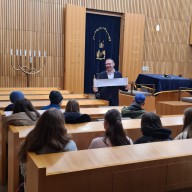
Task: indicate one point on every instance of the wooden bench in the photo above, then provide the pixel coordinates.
(29, 88)
(171, 107)
(82, 103)
(95, 113)
(3, 160)
(151, 167)
(35, 92)
(46, 97)
(82, 134)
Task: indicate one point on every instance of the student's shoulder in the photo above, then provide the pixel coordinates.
(9, 107)
(71, 146)
(45, 107)
(96, 143)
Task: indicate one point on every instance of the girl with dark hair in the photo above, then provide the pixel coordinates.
(26, 106)
(152, 129)
(187, 125)
(72, 114)
(114, 133)
(23, 114)
(48, 136)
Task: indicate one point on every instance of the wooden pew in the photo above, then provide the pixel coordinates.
(3, 161)
(35, 92)
(126, 100)
(82, 134)
(82, 102)
(95, 113)
(46, 97)
(29, 88)
(172, 107)
(151, 167)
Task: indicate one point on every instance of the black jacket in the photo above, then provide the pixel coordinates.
(9, 107)
(76, 117)
(154, 135)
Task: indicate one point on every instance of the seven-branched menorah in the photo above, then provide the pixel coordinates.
(29, 64)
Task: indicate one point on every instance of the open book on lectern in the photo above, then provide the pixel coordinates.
(110, 82)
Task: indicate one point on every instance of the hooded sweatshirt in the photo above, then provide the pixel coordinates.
(154, 135)
(133, 111)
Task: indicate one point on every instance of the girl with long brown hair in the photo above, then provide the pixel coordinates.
(114, 133)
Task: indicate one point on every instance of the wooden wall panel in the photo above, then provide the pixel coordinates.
(74, 48)
(34, 24)
(190, 38)
(131, 55)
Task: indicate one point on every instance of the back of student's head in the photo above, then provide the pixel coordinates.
(16, 96)
(187, 117)
(26, 106)
(55, 97)
(72, 106)
(114, 128)
(150, 119)
(49, 131)
(51, 124)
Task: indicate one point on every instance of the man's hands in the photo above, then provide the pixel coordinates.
(127, 87)
(95, 89)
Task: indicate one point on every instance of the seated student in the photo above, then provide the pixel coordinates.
(48, 136)
(135, 110)
(14, 97)
(152, 129)
(187, 125)
(23, 114)
(72, 114)
(56, 100)
(114, 133)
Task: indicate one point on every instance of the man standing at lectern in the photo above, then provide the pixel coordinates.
(110, 93)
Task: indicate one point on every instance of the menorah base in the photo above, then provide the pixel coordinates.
(28, 80)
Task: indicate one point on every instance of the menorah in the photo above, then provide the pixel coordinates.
(28, 64)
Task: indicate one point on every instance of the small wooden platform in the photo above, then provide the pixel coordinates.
(151, 103)
(172, 107)
(126, 100)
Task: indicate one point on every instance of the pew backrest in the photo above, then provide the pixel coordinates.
(161, 166)
(82, 134)
(82, 103)
(35, 92)
(46, 97)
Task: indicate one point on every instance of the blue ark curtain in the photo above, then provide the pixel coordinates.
(102, 42)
